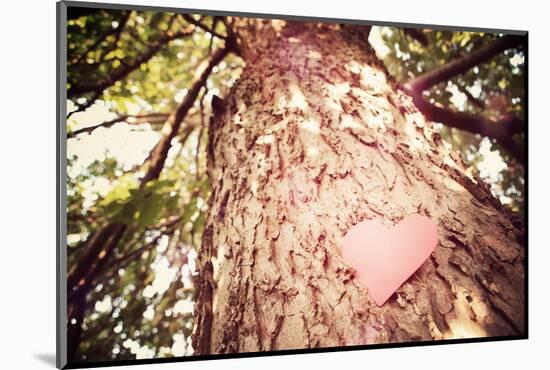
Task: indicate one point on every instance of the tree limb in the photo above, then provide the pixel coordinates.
(201, 132)
(79, 275)
(464, 63)
(101, 243)
(173, 123)
(475, 101)
(117, 31)
(167, 228)
(152, 117)
(501, 130)
(416, 35)
(99, 247)
(203, 26)
(77, 90)
(86, 105)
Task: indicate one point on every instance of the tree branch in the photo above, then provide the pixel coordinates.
(117, 31)
(464, 63)
(153, 117)
(101, 243)
(475, 101)
(201, 131)
(167, 228)
(501, 130)
(99, 247)
(203, 26)
(86, 105)
(416, 35)
(77, 90)
(173, 123)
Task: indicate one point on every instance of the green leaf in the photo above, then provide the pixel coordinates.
(190, 209)
(150, 210)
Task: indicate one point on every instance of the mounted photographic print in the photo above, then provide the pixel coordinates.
(237, 184)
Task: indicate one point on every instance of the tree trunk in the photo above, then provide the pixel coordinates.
(314, 138)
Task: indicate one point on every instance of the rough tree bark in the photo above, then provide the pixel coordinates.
(314, 138)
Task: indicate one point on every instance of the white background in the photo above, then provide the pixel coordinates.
(27, 182)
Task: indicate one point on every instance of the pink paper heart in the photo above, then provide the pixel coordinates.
(386, 257)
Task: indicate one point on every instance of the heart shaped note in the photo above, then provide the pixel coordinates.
(385, 257)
